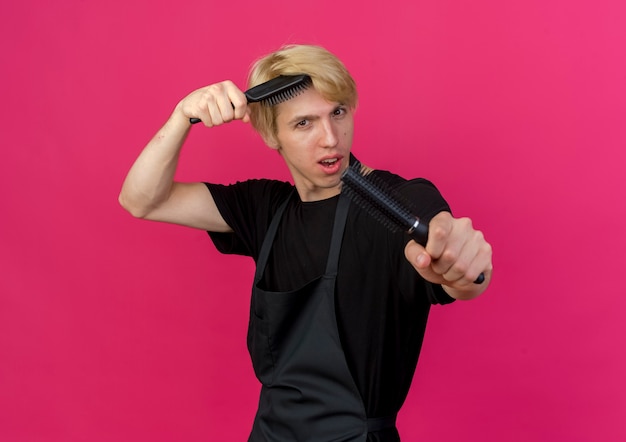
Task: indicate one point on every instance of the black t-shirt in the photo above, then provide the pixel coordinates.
(382, 302)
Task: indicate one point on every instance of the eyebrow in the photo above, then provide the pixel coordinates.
(311, 117)
(298, 118)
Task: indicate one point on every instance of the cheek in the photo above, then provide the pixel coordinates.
(348, 134)
(348, 129)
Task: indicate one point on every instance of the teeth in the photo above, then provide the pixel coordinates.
(331, 161)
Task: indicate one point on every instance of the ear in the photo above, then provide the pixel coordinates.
(271, 142)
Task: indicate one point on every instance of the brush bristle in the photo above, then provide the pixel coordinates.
(287, 94)
(377, 198)
(372, 210)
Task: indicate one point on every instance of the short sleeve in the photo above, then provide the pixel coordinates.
(248, 208)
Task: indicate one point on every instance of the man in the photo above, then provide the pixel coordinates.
(339, 303)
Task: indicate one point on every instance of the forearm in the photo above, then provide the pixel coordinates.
(150, 178)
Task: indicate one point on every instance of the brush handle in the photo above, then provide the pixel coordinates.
(419, 232)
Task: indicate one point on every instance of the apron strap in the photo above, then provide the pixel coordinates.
(267, 245)
(380, 423)
(338, 228)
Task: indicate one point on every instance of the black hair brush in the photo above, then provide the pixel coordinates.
(274, 91)
(384, 204)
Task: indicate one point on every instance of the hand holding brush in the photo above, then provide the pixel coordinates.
(385, 205)
(274, 91)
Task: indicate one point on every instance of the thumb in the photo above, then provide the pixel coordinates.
(246, 117)
(417, 255)
(421, 261)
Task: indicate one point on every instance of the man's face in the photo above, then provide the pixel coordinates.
(314, 137)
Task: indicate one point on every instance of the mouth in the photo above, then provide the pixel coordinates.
(331, 165)
(329, 162)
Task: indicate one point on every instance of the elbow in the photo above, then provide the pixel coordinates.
(136, 210)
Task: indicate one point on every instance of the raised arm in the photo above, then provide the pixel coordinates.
(149, 190)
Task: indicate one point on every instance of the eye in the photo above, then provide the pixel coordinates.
(302, 123)
(339, 111)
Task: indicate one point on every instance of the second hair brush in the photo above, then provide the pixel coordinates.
(385, 205)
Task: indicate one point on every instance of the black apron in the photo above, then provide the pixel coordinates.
(308, 393)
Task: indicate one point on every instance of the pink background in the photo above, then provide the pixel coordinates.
(113, 328)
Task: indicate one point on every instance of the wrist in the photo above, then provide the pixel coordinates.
(466, 292)
(178, 119)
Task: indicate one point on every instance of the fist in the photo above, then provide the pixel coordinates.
(216, 104)
(454, 256)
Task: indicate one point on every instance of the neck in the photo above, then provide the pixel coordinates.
(308, 195)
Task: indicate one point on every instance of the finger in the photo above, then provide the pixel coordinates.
(239, 104)
(225, 105)
(473, 259)
(201, 104)
(453, 260)
(482, 262)
(212, 109)
(214, 104)
(246, 117)
(439, 229)
(456, 243)
(455, 266)
(235, 103)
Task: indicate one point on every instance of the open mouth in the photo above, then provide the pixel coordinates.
(329, 162)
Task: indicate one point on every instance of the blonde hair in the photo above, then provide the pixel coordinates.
(329, 75)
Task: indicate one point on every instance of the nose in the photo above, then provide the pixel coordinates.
(329, 136)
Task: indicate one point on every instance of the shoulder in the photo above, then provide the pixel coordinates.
(419, 193)
(248, 208)
(252, 186)
(253, 193)
(398, 182)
